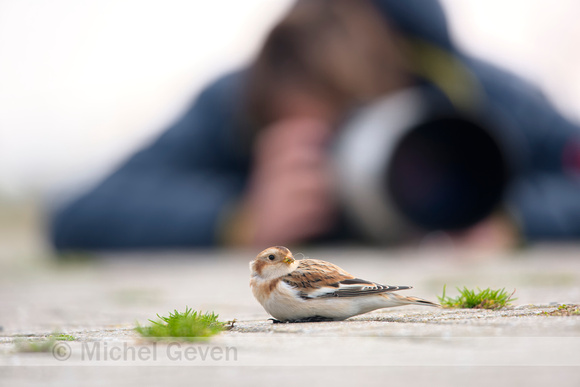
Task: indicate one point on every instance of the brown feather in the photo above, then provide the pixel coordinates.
(259, 265)
(314, 274)
(283, 250)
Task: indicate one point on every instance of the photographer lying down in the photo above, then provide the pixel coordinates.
(358, 120)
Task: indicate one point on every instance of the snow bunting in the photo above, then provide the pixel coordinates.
(312, 290)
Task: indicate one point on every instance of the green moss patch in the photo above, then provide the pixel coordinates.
(480, 299)
(184, 326)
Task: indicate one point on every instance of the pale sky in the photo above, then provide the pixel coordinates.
(83, 83)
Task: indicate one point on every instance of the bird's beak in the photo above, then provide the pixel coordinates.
(288, 260)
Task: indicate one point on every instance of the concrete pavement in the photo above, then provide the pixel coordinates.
(99, 301)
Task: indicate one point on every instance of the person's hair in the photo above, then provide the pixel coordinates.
(341, 50)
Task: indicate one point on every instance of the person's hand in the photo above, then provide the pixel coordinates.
(497, 232)
(289, 198)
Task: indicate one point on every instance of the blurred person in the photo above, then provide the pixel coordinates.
(251, 164)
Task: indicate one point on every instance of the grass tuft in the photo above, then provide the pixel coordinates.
(62, 337)
(187, 326)
(41, 344)
(44, 345)
(480, 299)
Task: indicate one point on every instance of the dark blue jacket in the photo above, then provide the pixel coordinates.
(177, 191)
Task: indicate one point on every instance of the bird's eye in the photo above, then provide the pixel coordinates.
(271, 257)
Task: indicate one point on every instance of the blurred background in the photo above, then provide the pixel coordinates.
(84, 83)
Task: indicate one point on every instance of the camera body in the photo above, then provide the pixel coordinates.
(411, 162)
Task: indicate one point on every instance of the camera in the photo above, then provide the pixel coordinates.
(412, 162)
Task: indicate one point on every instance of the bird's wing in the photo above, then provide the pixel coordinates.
(320, 279)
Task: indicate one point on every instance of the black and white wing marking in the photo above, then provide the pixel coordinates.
(320, 279)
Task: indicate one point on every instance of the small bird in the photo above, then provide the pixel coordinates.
(309, 290)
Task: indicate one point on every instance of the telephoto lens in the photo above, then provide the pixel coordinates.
(409, 163)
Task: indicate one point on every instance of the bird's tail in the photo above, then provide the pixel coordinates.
(402, 300)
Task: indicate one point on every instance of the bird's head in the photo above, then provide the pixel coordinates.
(273, 262)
